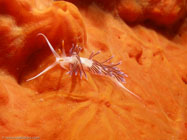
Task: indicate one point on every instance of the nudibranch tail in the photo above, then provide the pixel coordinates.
(123, 87)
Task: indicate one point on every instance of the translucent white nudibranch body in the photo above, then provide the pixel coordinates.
(74, 63)
(87, 63)
(65, 61)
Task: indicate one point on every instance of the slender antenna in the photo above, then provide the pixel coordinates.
(50, 46)
(44, 71)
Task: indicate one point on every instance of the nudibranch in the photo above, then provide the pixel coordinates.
(77, 65)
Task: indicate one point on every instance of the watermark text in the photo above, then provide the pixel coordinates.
(20, 138)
